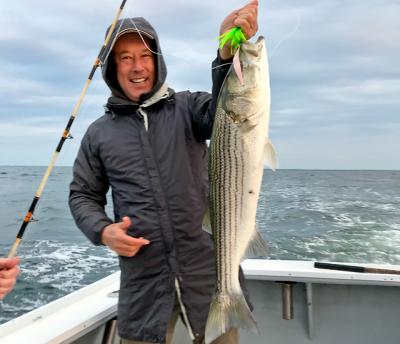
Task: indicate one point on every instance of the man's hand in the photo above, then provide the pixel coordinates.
(116, 238)
(245, 17)
(9, 271)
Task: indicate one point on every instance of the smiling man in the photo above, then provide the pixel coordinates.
(136, 70)
(150, 148)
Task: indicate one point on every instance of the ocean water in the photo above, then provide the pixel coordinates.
(343, 216)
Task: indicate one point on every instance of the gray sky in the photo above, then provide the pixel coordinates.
(334, 65)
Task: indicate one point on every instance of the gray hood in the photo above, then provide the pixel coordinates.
(123, 26)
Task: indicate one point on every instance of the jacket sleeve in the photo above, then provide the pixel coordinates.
(88, 190)
(202, 105)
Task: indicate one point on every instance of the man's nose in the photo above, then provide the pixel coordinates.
(137, 65)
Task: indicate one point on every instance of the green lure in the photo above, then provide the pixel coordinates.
(235, 36)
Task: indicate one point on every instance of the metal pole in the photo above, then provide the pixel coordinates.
(110, 331)
(287, 300)
(310, 316)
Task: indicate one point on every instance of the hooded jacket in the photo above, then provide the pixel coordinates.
(153, 154)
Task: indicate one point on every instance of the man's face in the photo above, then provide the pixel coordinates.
(136, 70)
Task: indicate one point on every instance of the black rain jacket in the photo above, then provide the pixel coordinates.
(158, 178)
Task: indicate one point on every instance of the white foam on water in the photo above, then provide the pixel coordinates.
(386, 207)
(395, 226)
(343, 220)
(51, 269)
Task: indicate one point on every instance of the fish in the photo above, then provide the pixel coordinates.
(238, 150)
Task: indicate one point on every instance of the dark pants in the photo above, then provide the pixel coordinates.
(230, 337)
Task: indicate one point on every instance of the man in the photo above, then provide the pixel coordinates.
(150, 148)
(9, 271)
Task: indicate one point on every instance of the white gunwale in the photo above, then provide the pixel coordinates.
(76, 314)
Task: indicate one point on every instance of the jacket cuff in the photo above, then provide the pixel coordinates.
(220, 61)
(97, 230)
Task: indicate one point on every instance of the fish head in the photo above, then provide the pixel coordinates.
(245, 103)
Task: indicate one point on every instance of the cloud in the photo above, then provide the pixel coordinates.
(333, 69)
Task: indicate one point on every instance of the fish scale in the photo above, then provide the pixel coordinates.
(230, 174)
(238, 147)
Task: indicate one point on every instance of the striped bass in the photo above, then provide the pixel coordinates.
(239, 147)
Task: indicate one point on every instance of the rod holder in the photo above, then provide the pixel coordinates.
(110, 331)
(287, 300)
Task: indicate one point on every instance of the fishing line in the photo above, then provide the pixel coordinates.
(141, 37)
(273, 51)
(113, 42)
(287, 36)
(221, 65)
(127, 10)
(137, 31)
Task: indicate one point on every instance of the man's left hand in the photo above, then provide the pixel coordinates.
(245, 17)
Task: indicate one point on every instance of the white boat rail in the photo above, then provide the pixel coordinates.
(80, 317)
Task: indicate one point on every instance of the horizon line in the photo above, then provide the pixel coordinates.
(265, 168)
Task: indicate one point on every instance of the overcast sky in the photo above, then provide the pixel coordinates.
(334, 66)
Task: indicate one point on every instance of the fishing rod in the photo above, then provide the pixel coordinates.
(65, 135)
(355, 268)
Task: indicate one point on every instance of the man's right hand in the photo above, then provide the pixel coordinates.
(116, 238)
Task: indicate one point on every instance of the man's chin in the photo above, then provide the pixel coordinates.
(136, 97)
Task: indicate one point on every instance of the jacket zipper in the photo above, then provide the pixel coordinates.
(177, 286)
(145, 118)
(183, 309)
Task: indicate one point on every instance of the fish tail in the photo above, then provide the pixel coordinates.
(226, 312)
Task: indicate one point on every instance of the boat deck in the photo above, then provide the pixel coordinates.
(324, 307)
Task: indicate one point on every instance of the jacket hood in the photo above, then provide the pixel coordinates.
(142, 27)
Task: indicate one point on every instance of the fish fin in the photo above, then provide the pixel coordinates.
(238, 67)
(226, 312)
(207, 221)
(270, 155)
(257, 248)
